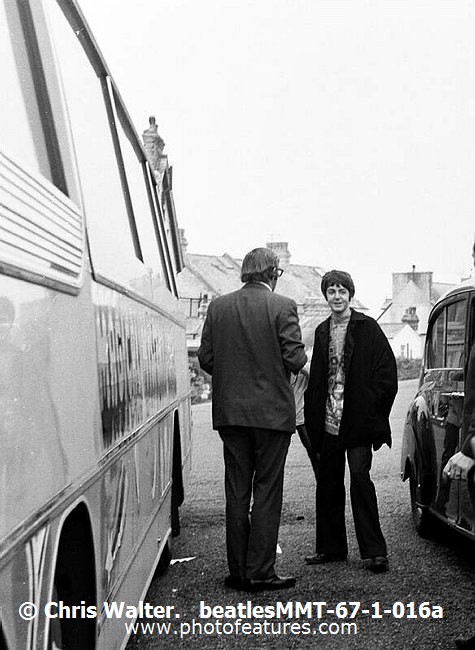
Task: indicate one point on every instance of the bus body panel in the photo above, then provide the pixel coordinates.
(125, 481)
(49, 397)
(94, 387)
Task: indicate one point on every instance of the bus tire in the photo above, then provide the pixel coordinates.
(177, 482)
(3, 643)
(164, 561)
(74, 581)
(175, 515)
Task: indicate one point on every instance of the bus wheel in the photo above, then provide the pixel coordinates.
(177, 482)
(74, 584)
(55, 636)
(176, 528)
(3, 643)
(420, 515)
(164, 561)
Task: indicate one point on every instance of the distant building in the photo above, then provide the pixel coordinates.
(405, 342)
(405, 315)
(206, 276)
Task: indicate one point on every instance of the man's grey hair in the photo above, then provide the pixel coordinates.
(259, 265)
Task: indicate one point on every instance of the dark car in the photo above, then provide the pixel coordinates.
(440, 414)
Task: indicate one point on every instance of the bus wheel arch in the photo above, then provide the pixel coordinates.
(178, 493)
(3, 641)
(74, 582)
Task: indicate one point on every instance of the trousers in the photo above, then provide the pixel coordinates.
(254, 461)
(331, 497)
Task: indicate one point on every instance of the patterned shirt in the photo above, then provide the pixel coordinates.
(336, 375)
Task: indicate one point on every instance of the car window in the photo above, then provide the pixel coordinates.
(456, 317)
(446, 337)
(435, 344)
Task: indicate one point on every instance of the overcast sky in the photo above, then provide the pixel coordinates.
(346, 128)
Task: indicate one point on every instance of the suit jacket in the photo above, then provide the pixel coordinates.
(251, 342)
(370, 385)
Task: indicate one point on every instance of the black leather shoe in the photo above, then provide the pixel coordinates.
(234, 582)
(271, 584)
(379, 564)
(468, 644)
(323, 558)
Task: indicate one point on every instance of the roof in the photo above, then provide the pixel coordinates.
(207, 276)
(439, 289)
(466, 285)
(392, 329)
(412, 290)
(210, 274)
(219, 274)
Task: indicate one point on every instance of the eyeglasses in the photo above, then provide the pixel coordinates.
(279, 272)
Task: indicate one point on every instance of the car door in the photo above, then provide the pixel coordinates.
(446, 352)
(466, 518)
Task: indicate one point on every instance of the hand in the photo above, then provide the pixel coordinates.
(459, 466)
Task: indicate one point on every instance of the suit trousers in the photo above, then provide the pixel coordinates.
(331, 497)
(254, 462)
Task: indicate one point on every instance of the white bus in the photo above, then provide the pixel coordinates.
(94, 390)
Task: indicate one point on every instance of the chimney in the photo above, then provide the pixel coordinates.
(421, 292)
(281, 249)
(154, 146)
(411, 318)
(183, 241)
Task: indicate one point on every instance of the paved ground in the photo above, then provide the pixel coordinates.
(437, 571)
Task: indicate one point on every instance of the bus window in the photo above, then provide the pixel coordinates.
(170, 216)
(111, 243)
(42, 231)
(21, 132)
(142, 210)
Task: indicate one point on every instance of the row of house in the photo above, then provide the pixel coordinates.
(403, 317)
(206, 276)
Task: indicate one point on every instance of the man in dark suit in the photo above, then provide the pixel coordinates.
(461, 465)
(351, 389)
(250, 344)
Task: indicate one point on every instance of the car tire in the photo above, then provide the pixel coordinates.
(422, 518)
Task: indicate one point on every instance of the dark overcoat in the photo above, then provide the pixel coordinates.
(468, 430)
(251, 342)
(370, 385)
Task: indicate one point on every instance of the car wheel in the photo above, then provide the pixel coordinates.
(421, 516)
